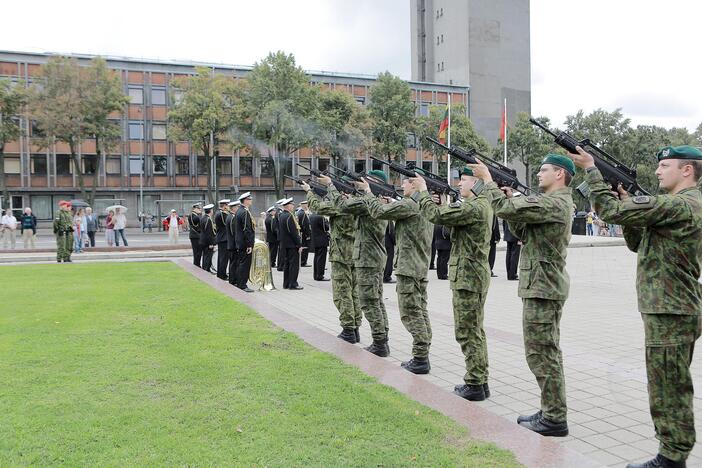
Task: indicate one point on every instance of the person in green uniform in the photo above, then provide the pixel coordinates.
(665, 231)
(343, 274)
(369, 262)
(470, 222)
(543, 223)
(413, 235)
(63, 228)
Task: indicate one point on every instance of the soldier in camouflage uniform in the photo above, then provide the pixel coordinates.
(665, 231)
(411, 264)
(369, 262)
(343, 274)
(543, 223)
(63, 228)
(470, 222)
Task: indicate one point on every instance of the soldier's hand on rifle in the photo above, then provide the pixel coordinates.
(621, 193)
(324, 180)
(509, 193)
(480, 170)
(363, 186)
(305, 186)
(436, 198)
(419, 184)
(582, 159)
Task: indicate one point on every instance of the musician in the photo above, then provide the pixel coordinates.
(319, 226)
(272, 234)
(442, 243)
(194, 233)
(275, 225)
(303, 220)
(231, 242)
(291, 241)
(208, 236)
(222, 253)
(245, 239)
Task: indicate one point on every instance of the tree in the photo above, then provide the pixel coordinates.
(283, 111)
(698, 135)
(12, 99)
(462, 133)
(528, 145)
(210, 107)
(392, 114)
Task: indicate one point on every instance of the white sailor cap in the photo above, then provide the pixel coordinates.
(244, 196)
(208, 207)
(270, 209)
(223, 201)
(197, 205)
(303, 202)
(287, 201)
(235, 203)
(280, 202)
(173, 211)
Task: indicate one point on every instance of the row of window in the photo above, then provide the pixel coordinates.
(440, 66)
(440, 37)
(158, 96)
(136, 131)
(439, 13)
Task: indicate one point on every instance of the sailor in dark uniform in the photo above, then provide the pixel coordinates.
(272, 235)
(194, 233)
(245, 239)
(220, 220)
(319, 225)
(303, 219)
(231, 242)
(442, 242)
(291, 242)
(208, 236)
(390, 249)
(276, 228)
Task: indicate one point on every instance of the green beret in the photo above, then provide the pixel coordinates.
(561, 161)
(467, 171)
(379, 174)
(679, 152)
(418, 170)
(347, 179)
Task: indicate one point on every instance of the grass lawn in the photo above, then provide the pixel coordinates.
(141, 364)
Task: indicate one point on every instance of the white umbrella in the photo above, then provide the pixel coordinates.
(115, 207)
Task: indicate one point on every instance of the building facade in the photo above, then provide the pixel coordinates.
(146, 170)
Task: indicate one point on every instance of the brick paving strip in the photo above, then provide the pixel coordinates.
(530, 449)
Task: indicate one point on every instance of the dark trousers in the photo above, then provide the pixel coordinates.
(491, 255)
(442, 264)
(242, 274)
(304, 254)
(320, 260)
(273, 251)
(292, 267)
(512, 259)
(387, 274)
(233, 267)
(91, 236)
(197, 252)
(207, 253)
(281, 257)
(222, 260)
(433, 256)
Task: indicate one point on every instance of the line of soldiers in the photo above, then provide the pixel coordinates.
(664, 230)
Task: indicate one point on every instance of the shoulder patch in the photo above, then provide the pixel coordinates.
(532, 199)
(478, 187)
(455, 204)
(641, 200)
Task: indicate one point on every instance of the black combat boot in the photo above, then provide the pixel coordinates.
(659, 462)
(470, 392)
(358, 335)
(544, 426)
(347, 334)
(417, 365)
(524, 418)
(486, 389)
(379, 348)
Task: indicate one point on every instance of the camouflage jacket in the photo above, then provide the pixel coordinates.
(343, 227)
(369, 233)
(63, 222)
(666, 233)
(470, 221)
(413, 234)
(543, 223)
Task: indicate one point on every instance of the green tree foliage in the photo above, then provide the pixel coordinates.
(345, 125)
(12, 100)
(211, 105)
(392, 113)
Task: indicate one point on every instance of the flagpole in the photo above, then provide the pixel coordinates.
(448, 141)
(505, 142)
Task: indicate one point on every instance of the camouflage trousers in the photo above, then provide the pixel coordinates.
(345, 294)
(468, 313)
(670, 343)
(370, 298)
(412, 301)
(64, 246)
(541, 327)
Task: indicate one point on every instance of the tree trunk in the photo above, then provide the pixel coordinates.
(206, 150)
(78, 169)
(3, 185)
(91, 196)
(278, 173)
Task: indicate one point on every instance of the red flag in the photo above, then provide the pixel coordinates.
(443, 128)
(503, 125)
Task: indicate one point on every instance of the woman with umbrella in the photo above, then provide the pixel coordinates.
(120, 222)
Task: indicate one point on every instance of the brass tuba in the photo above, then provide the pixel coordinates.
(260, 275)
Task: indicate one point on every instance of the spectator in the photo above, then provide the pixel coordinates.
(8, 225)
(588, 223)
(78, 232)
(110, 228)
(149, 222)
(28, 227)
(173, 224)
(91, 225)
(120, 221)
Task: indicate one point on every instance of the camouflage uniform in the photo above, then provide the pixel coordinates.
(543, 223)
(665, 231)
(343, 274)
(470, 221)
(368, 259)
(63, 228)
(412, 250)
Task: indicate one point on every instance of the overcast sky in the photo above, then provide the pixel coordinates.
(641, 55)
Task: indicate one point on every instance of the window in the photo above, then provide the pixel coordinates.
(267, 167)
(63, 164)
(136, 165)
(201, 165)
(224, 165)
(424, 109)
(158, 97)
(182, 165)
(36, 130)
(136, 95)
(427, 166)
(442, 38)
(359, 165)
(411, 140)
(41, 206)
(438, 67)
(303, 171)
(442, 66)
(245, 166)
(113, 166)
(441, 12)
(39, 164)
(89, 164)
(177, 97)
(12, 165)
(437, 40)
(158, 132)
(377, 166)
(159, 164)
(323, 164)
(136, 130)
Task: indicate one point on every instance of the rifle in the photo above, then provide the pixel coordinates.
(316, 187)
(613, 171)
(340, 185)
(433, 185)
(502, 175)
(377, 186)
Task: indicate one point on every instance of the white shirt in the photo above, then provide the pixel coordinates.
(174, 222)
(120, 221)
(9, 221)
